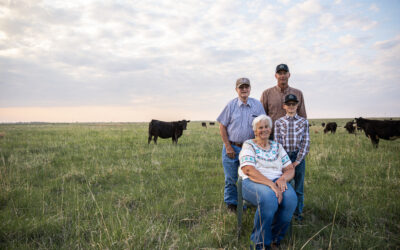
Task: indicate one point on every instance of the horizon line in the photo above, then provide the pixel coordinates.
(99, 122)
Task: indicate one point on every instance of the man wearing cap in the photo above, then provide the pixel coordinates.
(272, 99)
(235, 128)
(292, 132)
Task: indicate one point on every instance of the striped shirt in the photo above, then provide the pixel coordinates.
(237, 117)
(293, 134)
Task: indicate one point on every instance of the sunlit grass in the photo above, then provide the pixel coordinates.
(102, 186)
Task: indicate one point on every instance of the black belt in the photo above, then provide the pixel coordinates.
(238, 144)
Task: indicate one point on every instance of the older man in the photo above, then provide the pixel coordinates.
(273, 98)
(235, 128)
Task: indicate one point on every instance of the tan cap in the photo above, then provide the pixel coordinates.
(242, 81)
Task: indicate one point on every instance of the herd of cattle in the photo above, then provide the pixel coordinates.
(373, 129)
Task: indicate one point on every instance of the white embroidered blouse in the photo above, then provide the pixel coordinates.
(268, 162)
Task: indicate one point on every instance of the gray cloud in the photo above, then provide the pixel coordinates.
(388, 44)
(171, 54)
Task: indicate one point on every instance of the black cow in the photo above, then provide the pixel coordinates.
(330, 126)
(350, 127)
(375, 129)
(323, 124)
(212, 123)
(166, 130)
(204, 124)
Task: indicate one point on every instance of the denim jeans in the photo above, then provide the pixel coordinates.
(298, 182)
(231, 175)
(271, 219)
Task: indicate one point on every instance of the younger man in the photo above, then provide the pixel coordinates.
(292, 132)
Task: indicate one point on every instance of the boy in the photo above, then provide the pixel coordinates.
(292, 132)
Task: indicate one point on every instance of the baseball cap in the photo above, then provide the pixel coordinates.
(291, 98)
(282, 67)
(242, 81)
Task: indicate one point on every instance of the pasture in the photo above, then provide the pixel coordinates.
(100, 186)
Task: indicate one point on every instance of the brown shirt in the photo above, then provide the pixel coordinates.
(272, 99)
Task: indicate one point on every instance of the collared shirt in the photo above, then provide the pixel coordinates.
(293, 134)
(273, 98)
(237, 117)
(268, 162)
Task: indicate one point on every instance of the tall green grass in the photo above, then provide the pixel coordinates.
(99, 186)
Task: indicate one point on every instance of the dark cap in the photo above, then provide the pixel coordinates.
(291, 98)
(282, 67)
(242, 81)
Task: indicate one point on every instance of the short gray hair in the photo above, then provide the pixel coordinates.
(261, 118)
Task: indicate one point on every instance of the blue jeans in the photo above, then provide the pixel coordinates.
(231, 175)
(298, 182)
(271, 219)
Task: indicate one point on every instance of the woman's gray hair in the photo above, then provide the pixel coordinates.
(261, 118)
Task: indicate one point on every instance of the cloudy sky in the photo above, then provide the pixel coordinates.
(68, 61)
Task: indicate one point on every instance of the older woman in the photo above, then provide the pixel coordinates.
(266, 170)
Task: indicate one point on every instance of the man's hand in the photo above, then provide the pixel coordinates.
(228, 148)
(230, 151)
(295, 164)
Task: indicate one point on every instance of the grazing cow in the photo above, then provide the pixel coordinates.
(323, 124)
(166, 130)
(350, 127)
(375, 129)
(2, 134)
(330, 126)
(212, 123)
(204, 124)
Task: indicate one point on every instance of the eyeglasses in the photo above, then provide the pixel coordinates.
(291, 104)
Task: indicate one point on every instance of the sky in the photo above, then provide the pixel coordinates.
(133, 61)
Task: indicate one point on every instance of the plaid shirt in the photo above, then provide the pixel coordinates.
(293, 134)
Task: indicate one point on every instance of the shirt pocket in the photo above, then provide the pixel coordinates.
(251, 119)
(283, 133)
(283, 128)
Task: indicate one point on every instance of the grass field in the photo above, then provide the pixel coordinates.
(100, 186)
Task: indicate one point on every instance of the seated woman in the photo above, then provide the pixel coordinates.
(266, 170)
